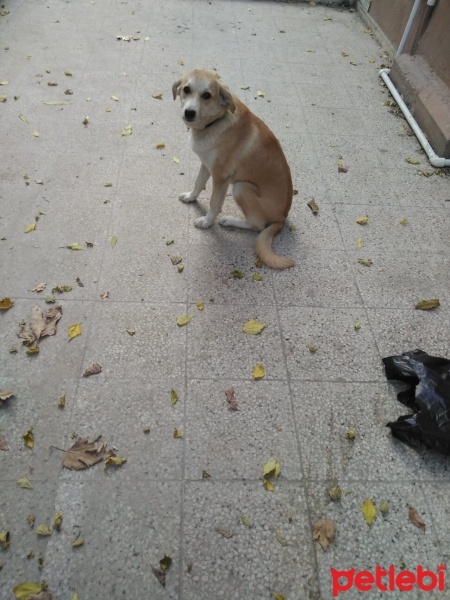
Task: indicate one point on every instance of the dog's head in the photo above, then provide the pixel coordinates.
(203, 98)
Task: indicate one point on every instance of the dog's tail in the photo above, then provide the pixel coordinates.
(264, 248)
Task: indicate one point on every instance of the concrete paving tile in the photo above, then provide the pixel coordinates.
(383, 232)
(312, 232)
(333, 284)
(143, 271)
(236, 444)
(438, 500)
(398, 331)
(392, 280)
(251, 564)
(159, 343)
(433, 224)
(217, 347)
(210, 275)
(53, 264)
(84, 174)
(17, 505)
(390, 540)
(127, 526)
(343, 353)
(141, 402)
(150, 219)
(326, 412)
(333, 120)
(159, 177)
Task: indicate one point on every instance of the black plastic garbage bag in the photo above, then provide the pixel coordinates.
(428, 395)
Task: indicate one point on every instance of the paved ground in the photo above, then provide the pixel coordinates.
(324, 107)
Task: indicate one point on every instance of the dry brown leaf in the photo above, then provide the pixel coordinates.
(94, 370)
(280, 538)
(428, 304)
(160, 575)
(3, 444)
(231, 398)
(6, 303)
(83, 454)
(43, 323)
(39, 287)
(313, 206)
(324, 531)
(225, 532)
(5, 395)
(415, 518)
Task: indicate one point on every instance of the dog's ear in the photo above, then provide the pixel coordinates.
(176, 89)
(226, 99)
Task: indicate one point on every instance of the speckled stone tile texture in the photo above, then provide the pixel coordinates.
(192, 487)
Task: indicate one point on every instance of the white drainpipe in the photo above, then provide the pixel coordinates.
(405, 35)
(435, 160)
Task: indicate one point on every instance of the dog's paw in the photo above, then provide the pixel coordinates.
(202, 223)
(187, 197)
(227, 222)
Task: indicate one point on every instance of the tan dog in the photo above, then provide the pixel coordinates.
(236, 147)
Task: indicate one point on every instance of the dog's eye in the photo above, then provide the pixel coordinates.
(187, 89)
(206, 96)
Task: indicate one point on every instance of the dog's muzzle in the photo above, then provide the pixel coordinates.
(189, 115)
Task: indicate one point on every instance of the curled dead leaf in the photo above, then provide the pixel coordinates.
(415, 518)
(324, 531)
(224, 532)
(83, 454)
(6, 303)
(94, 370)
(231, 399)
(4, 539)
(6, 395)
(428, 304)
(44, 530)
(313, 206)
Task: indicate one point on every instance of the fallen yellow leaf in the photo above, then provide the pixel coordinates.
(173, 396)
(74, 246)
(6, 303)
(183, 320)
(157, 96)
(57, 520)
(113, 241)
(24, 591)
(362, 220)
(258, 371)
(43, 530)
(253, 327)
(25, 483)
(369, 511)
(4, 539)
(74, 331)
(128, 130)
(29, 228)
(28, 438)
(428, 304)
(177, 433)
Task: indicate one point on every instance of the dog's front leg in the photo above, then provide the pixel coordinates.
(199, 186)
(215, 205)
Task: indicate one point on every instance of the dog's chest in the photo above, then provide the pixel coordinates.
(208, 157)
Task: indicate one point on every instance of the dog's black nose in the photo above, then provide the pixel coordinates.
(189, 115)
